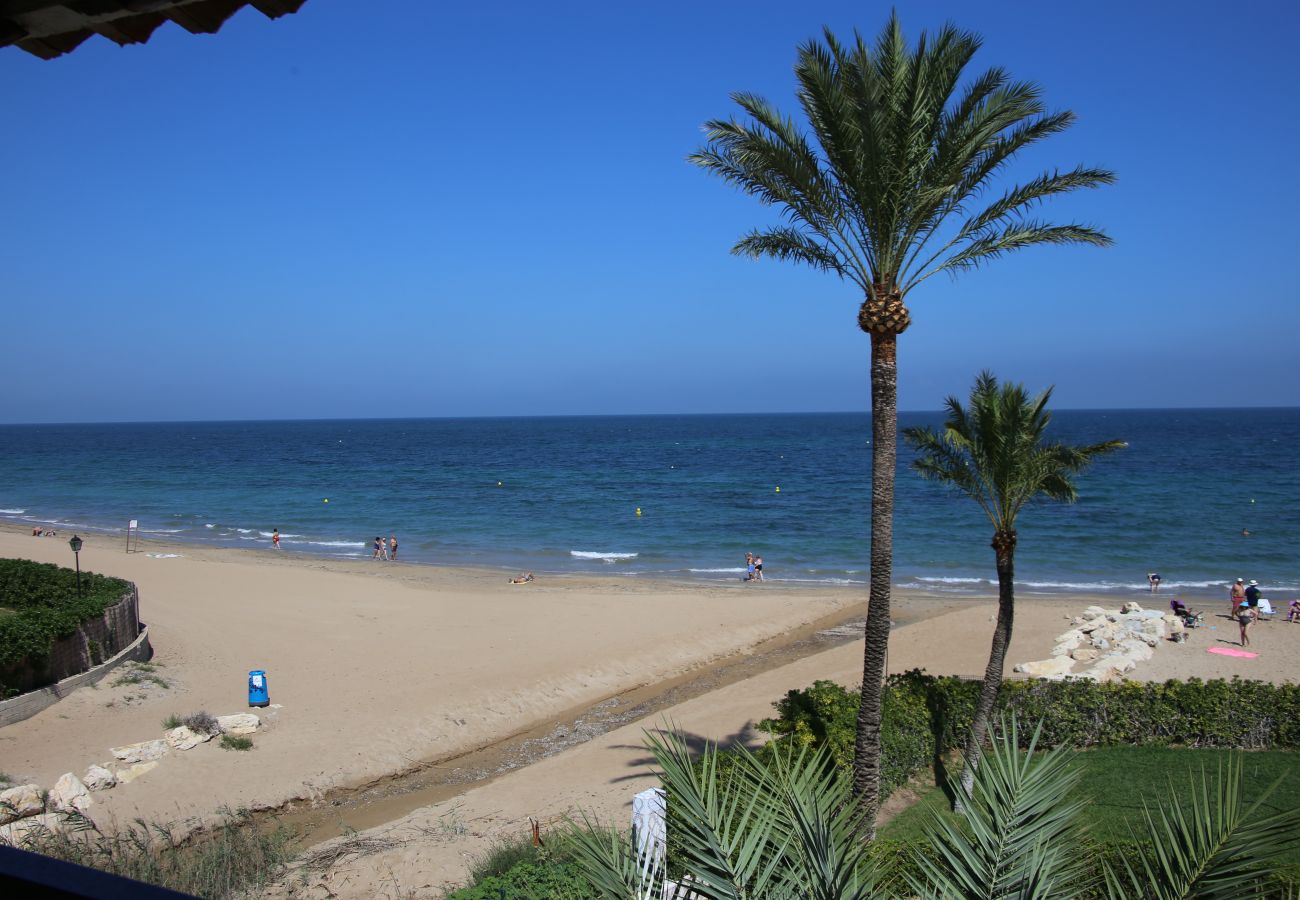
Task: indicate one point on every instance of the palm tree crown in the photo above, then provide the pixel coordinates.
(994, 451)
(897, 153)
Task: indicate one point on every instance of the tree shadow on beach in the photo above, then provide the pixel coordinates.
(748, 737)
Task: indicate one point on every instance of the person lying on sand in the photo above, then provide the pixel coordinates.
(522, 579)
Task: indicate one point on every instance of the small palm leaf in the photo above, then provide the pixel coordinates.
(1021, 835)
(1209, 844)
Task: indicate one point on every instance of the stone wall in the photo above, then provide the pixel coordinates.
(94, 641)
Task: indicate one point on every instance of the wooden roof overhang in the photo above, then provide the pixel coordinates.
(48, 29)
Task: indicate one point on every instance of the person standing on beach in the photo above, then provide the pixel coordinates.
(275, 538)
(1153, 578)
(1252, 595)
(749, 567)
(380, 552)
(392, 548)
(1245, 618)
(758, 567)
(1237, 595)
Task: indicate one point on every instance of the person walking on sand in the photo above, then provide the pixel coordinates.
(1153, 578)
(380, 552)
(392, 548)
(1237, 595)
(275, 538)
(1245, 618)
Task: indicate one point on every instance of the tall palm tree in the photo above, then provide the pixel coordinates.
(892, 187)
(994, 452)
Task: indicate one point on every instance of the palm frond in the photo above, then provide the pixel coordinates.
(1021, 835)
(1208, 843)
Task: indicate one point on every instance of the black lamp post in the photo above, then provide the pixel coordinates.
(75, 544)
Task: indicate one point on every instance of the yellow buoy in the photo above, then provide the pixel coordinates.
(778, 488)
(326, 500)
(638, 510)
(498, 484)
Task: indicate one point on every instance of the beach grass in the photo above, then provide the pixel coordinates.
(233, 742)
(1117, 781)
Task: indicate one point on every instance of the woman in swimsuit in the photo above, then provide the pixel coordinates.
(1237, 595)
(392, 547)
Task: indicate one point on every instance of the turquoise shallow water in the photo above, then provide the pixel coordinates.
(1175, 501)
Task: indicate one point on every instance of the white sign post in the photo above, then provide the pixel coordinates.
(131, 526)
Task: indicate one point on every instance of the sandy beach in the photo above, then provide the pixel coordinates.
(381, 668)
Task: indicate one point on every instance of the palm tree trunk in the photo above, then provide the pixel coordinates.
(1004, 547)
(884, 452)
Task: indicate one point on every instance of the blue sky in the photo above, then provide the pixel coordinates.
(428, 211)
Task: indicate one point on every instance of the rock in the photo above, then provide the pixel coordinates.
(70, 795)
(1177, 626)
(1101, 643)
(1084, 654)
(20, 802)
(239, 723)
(126, 776)
(183, 738)
(141, 752)
(1130, 607)
(1093, 612)
(99, 778)
(1056, 667)
(15, 833)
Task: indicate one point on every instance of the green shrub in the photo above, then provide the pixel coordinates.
(234, 742)
(46, 607)
(534, 880)
(925, 717)
(172, 721)
(501, 857)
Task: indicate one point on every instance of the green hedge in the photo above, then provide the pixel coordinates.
(45, 606)
(925, 716)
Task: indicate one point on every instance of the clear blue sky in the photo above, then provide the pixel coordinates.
(421, 209)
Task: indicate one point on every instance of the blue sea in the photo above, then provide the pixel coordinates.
(562, 495)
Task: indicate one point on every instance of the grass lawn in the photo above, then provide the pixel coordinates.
(1118, 780)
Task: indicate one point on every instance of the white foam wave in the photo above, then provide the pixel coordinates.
(952, 580)
(12, 512)
(161, 530)
(209, 526)
(732, 571)
(329, 543)
(245, 530)
(606, 557)
(164, 555)
(840, 581)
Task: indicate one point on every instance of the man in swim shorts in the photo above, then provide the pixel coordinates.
(1153, 578)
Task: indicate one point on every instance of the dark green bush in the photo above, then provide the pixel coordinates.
(46, 606)
(925, 716)
(532, 880)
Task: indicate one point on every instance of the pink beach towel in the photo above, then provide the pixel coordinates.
(1232, 651)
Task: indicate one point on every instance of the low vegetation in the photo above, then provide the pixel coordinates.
(141, 673)
(46, 606)
(235, 742)
(520, 869)
(233, 860)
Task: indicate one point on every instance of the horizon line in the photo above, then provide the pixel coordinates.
(865, 412)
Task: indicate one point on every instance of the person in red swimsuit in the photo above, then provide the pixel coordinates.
(275, 537)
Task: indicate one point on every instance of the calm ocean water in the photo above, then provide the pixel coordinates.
(561, 494)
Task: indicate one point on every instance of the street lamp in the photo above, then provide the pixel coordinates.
(75, 543)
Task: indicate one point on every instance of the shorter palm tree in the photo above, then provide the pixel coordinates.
(995, 453)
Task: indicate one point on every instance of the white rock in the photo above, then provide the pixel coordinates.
(1093, 612)
(99, 778)
(239, 723)
(1047, 668)
(126, 776)
(1084, 654)
(20, 802)
(183, 738)
(141, 752)
(1101, 643)
(1130, 607)
(15, 833)
(1177, 626)
(70, 795)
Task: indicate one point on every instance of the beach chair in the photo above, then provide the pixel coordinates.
(1265, 611)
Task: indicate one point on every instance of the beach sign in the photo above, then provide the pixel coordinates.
(132, 527)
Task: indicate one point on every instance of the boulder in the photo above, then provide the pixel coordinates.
(1177, 626)
(1130, 607)
(141, 752)
(126, 776)
(99, 778)
(1101, 643)
(1056, 667)
(1093, 612)
(183, 738)
(70, 795)
(1084, 654)
(15, 833)
(239, 723)
(20, 802)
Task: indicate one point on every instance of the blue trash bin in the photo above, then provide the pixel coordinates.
(259, 694)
